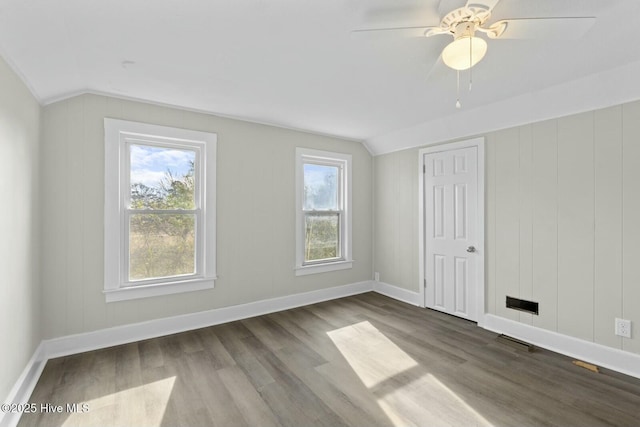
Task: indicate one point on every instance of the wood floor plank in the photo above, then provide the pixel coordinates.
(211, 343)
(346, 408)
(365, 360)
(253, 408)
(216, 399)
(308, 333)
(255, 372)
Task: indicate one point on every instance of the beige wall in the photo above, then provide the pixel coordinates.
(562, 222)
(19, 255)
(396, 218)
(256, 214)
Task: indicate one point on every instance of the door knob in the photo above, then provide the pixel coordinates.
(471, 249)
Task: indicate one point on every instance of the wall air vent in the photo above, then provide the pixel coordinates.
(522, 305)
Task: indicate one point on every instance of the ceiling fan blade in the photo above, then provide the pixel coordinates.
(541, 28)
(399, 31)
(446, 6)
(490, 4)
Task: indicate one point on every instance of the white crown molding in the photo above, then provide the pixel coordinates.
(605, 89)
(607, 357)
(87, 91)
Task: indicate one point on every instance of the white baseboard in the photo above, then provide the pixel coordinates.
(73, 344)
(607, 357)
(22, 389)
(621, 361)
(395, 292)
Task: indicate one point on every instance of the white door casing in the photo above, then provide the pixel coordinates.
(452, 232)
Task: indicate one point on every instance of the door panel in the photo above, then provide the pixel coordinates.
(460, 211)
(451, 187)
(438, 212)
(439, 280)
(460, 284)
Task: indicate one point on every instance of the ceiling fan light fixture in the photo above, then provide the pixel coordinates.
(464, 52)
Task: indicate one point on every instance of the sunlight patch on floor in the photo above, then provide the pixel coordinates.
(144, 405)
(406, 392)
(372, 355)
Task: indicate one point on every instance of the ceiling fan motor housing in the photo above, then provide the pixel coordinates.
(466, 50)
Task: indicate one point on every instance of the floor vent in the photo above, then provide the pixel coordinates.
(522, 305)
(515, 343)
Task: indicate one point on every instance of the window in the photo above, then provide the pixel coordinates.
(159, 210)
(323, 217)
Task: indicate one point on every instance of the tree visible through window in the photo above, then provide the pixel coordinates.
(322, 212)
(323, 218)
(160, 210)
(162, 219)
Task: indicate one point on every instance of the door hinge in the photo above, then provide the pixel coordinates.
(424, 169)
(425, 283)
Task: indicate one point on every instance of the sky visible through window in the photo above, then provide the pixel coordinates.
(320, 187)
(149, 164)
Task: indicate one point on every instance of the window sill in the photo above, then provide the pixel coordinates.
(158, 289)
(323, 268)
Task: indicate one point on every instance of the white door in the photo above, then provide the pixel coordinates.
(451, 231)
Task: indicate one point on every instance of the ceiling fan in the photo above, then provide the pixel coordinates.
(467, 49)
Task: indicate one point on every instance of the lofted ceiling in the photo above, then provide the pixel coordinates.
(295, 63)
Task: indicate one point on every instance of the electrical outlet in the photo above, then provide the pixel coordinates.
(376, 276)
(623, 328)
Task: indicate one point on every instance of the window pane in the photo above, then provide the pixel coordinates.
(320, 187)
(321, 237)
(161, 177)
(161, 245)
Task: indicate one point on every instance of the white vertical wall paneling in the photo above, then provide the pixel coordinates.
(255, 241)
(562, 228)
(95, 311)
(631, 222)
(507, 220)
(415, 282)
(282, 177)
(490, 220)
(526, 218)
(55, 223)
(545, 223)
(575, 225)
(114, 111)
(396, 207)
(73, 182)
(407, 236)
(396, 224)
(608, 224)
(384, 218)
(20, 239)
(255, 200)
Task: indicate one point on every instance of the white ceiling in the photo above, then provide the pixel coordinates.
(294, 63)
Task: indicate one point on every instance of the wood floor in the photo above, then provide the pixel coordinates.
(365, 360)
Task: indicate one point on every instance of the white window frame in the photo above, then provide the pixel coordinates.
(343, 162)
(118, 135)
